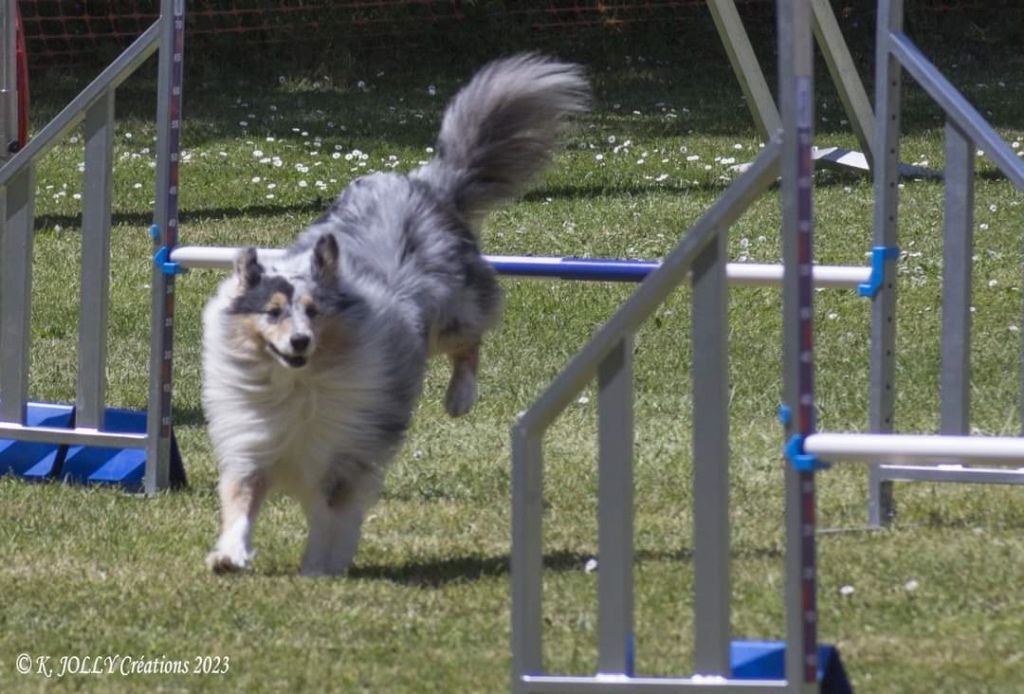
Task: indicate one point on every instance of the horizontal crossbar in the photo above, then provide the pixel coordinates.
(72, 437)
(950, 473)
(916, 449)
(592, 269)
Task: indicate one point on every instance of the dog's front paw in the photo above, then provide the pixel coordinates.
(221, 561)
(461, 395)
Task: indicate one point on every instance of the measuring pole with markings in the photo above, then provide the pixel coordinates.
(165, 237)
(796, 89)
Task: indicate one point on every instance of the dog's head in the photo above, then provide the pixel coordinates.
(282, 312)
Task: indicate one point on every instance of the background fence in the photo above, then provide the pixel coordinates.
(76, 31)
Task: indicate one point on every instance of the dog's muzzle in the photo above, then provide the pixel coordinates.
(299, 343)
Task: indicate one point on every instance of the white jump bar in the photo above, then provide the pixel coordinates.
(766, 275)
(750, 274)
(221, 257)
(919, 449)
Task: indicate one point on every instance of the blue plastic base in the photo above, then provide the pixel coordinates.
(124, 467)
(36, 461)
(753, 660)
(121, 466)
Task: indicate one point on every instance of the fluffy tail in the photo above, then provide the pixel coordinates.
(498, 132)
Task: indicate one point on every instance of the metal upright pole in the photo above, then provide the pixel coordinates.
(710, 368)
(886, 229)
(8, 78)
(797, 98)
(615, 511)
(17, 214)
(165, 233)
(92, 323)
(527, 560)
(958, 248)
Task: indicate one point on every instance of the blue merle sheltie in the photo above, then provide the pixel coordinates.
(313, 363)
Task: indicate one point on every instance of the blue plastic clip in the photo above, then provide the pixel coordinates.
(879, 254)
(785, 415)
(168, 267)
(154, 232)
(802, 462)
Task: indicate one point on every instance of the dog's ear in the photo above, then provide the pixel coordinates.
(247, 268)
(325, 258)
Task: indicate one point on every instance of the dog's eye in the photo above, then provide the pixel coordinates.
(274, 313)
(312, 312)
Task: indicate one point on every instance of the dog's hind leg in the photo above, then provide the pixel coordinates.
(462, 387)
(334, 535)
(240, 496)
(335, 518)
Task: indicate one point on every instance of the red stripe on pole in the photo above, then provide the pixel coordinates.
(21, 58)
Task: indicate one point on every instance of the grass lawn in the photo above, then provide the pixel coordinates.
(932, 604)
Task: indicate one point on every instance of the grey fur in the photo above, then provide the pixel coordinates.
(499, 131)
(417, 234)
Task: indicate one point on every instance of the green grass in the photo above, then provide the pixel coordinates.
(95, 572)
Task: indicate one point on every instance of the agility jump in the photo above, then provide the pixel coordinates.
(700, 256)
(799, 664)
(75, 441)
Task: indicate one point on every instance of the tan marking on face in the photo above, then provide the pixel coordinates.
(245, 333)
(276, 330)
(305, 301)
(278, 333)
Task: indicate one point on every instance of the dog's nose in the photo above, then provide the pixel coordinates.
(300, 342)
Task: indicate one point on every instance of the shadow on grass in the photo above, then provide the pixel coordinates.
(441, 572)
(189, 417)
(313, 208)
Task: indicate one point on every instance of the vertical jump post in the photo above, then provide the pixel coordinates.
(883, 310)
(8, 79)
(11, 64)
(165, 237)
(796, 80)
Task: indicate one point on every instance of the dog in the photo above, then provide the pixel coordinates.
(313, 364)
